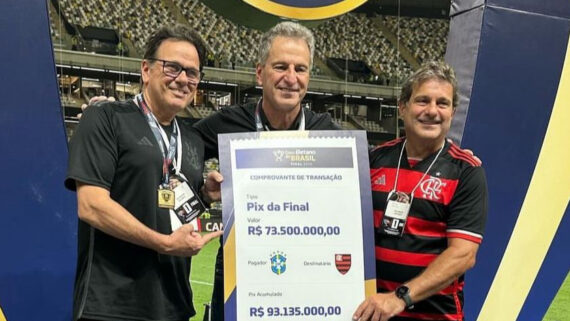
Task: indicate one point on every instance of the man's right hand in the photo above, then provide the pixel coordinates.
(379, 307)
(185, 241)
(92, 101)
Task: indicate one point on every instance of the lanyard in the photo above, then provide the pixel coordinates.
(174, 145)
(259, 125)
(423, 176)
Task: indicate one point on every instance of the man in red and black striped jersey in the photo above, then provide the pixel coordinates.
(430, 207)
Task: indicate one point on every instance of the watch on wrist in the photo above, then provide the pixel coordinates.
(403, 292)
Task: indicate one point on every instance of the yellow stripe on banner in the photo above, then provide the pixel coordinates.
(229, 265)
(541, 213)
(370, 287)
(305, 13)
(2, 317)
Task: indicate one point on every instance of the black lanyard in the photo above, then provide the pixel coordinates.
(259, 125)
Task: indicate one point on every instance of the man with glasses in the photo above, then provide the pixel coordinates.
(285, 58)
(127, 161)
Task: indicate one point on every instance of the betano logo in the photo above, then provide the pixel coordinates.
(306, 9)
(299, 156)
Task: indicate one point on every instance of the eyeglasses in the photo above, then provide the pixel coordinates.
(173, 69)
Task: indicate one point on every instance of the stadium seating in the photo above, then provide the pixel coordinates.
(228, 41)
(135, 20)
(425, 38)
(353, 36)
(205, 111)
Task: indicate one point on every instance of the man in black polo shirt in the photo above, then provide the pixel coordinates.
(127, 161)
(285, 58)
(430, 208)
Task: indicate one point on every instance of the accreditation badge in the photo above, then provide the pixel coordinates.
(165, 198)
(396, 213)
(187, 204)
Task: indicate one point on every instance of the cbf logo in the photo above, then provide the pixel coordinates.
(432, 188)
(278, 262)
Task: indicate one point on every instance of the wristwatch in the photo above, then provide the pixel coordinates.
(403, 292)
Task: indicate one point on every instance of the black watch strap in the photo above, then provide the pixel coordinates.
(403, 292)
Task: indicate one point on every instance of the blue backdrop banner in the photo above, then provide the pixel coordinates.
(38, 220)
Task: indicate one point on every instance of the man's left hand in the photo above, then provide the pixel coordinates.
(211, 192)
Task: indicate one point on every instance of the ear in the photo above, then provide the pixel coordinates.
(258, 71)
(145, 71)
(401, 109)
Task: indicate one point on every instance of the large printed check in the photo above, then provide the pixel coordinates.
(298, 226)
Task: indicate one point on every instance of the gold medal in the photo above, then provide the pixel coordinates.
(165, 198)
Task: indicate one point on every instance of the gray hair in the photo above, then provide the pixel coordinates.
(285, 29)
(428, 71)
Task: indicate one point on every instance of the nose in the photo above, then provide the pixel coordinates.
(290, 75)
(431, 108)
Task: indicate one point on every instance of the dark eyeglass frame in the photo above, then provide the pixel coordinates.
(190, 72)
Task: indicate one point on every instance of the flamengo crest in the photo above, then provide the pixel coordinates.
(431, 188)
(342, 262)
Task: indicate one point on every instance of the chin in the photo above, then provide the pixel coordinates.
(178, 106)
(287, 105)
(431, 138)
(427, 135)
